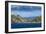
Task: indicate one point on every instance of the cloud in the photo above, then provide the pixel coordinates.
(25, 8)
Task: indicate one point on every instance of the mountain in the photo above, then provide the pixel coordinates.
(30, 17)
(20, 19)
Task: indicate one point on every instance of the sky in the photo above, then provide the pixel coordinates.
(26, 11)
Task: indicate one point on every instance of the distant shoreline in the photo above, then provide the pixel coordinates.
(26, 22)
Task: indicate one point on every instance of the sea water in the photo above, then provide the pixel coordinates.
(25, 25)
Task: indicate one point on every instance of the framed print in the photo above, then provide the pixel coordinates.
(23, 16)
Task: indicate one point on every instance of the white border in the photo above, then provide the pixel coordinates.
(24, 29)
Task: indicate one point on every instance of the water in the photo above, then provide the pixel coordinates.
(25, 25)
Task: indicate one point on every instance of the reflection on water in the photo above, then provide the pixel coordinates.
(25, 25)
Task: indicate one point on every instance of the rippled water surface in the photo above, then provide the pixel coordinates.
(25, 25)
